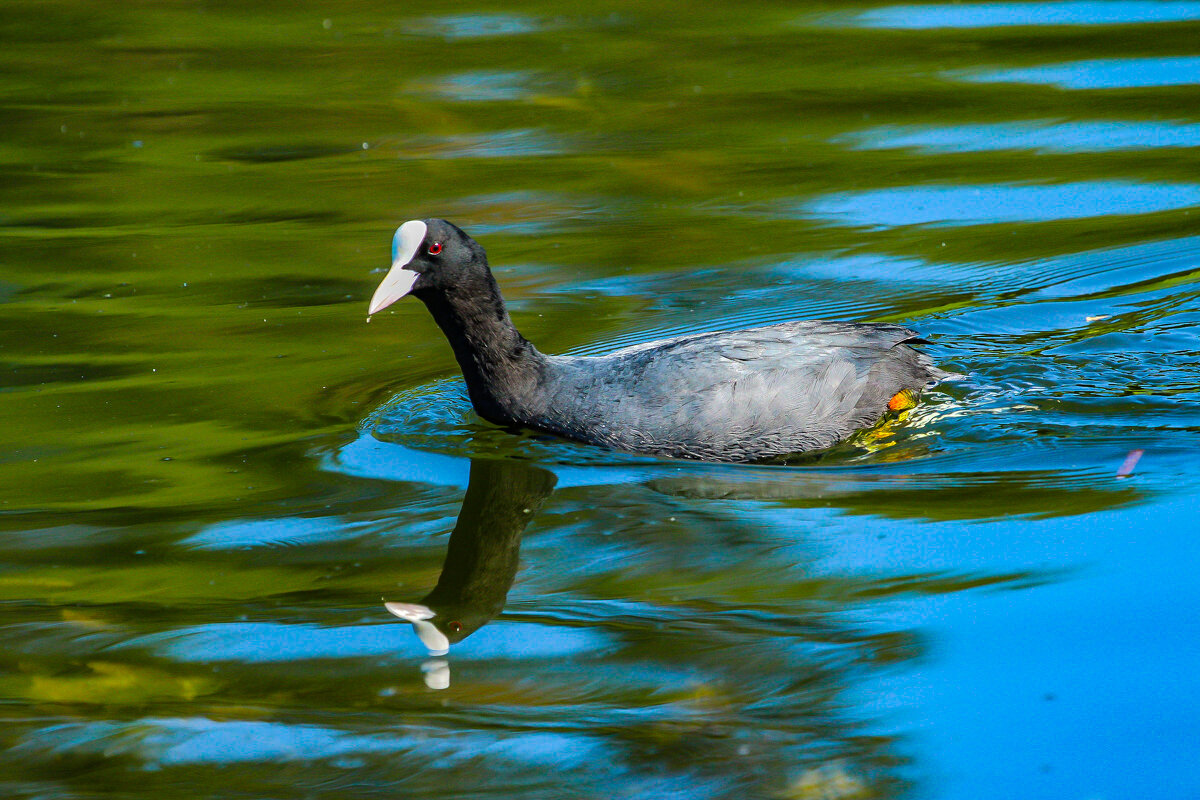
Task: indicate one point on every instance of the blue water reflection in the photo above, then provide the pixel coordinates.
(166, 742)
(267, 642)
(1067, 669)
(1101, 73)
(1043, 136)
(988, 15)
(474, 26)
(268, 532)
(987, 204)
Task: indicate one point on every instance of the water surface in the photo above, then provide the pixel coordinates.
(214, 474)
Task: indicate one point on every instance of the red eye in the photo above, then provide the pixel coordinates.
(435, 248)
(455, 626)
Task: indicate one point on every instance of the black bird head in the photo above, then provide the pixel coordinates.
(430, 256)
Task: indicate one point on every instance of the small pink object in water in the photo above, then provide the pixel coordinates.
(1126, 468)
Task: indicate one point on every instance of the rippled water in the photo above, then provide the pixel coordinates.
(214, 474)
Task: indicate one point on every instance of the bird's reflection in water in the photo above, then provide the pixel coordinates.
(481, 561)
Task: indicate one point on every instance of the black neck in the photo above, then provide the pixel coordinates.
(500, 366)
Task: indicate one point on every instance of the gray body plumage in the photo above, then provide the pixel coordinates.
(731, 396)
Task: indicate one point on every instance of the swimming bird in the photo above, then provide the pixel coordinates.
(743, 395)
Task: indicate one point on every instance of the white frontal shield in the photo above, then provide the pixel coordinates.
(399, 281)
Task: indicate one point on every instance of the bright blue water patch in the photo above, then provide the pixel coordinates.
(1036, 135)
(263, 642)
(1046, 661)
(474, 26)
(505, 639)
(987, 15)
(198, 740)
(163, 742)
(267, 642)
(1114, 272)
(1101, 73)
(259, 532)
(367, 457)
(205, 741)
(989, 204)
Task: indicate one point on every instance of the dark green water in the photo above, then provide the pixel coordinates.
(213, 472)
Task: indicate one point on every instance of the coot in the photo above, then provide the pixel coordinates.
(729, 396)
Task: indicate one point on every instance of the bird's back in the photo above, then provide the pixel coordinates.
(735, 396)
